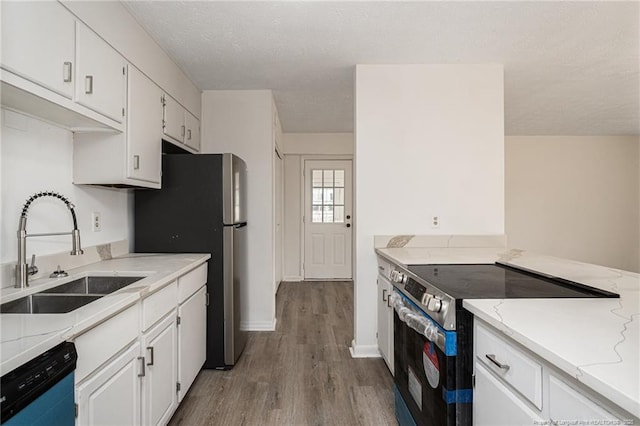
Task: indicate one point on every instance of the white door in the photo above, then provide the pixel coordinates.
(192, 135)
(174, 119)
(278, 189)
(327, 219)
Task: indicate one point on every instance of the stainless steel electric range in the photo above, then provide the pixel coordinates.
(433, 334)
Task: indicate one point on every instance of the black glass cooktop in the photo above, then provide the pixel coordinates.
(500, 282)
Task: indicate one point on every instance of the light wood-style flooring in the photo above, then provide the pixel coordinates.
(300, 374)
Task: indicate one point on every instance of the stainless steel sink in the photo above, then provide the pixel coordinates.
(93, 285)
(67, 297)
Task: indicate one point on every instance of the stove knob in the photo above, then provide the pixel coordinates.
(393, 275)
(402, 278)
(425, 299)
(434, 304)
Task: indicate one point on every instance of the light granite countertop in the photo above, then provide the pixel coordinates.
(597, 341)
(25, 336)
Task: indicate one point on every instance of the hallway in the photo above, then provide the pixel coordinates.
(301, 374)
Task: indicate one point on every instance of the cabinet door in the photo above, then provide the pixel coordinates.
(494, 404)
(192, 135)
(383, 320)
(112, 396)
(174, 119)
(192, 337)
(568, 405)
(101, 75)
(159, 383)
(38, 43)
(144, 127)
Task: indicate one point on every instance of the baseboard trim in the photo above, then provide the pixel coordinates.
(293, 278)
(364, 351)
(258, 325)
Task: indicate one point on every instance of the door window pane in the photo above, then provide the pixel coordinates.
(317, 214)
(327, 196)
(327, 216)
(328, 178)
(316, 178)
(317, 196)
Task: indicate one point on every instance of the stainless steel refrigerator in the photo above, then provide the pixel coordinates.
(201, 208)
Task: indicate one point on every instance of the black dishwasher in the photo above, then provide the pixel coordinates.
(41, 392)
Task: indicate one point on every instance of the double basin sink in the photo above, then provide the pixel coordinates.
(67, 297)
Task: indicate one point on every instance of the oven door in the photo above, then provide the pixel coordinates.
(425, 369)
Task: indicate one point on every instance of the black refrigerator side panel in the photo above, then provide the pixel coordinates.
(185, 216)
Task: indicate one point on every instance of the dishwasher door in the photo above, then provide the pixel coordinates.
(41, 392)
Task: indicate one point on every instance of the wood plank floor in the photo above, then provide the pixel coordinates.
(300, 374)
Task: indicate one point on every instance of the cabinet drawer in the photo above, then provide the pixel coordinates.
(189, 283)
(518, 369)
(158, 305)
(99, 344)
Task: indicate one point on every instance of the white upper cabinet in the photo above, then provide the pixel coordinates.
(192, 132)
(180, 125)
(173, 119)
(101, 79)
(38, 43)
(144, 127)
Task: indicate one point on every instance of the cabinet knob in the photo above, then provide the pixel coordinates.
(136, 162)
(182, 130)
(142, 370)
(189, 134)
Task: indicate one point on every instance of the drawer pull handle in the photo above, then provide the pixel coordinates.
(492, 358)
(384, 294)
(381, 268)
(88, 84)
(66, 71)
(150, 349)
(142, 373)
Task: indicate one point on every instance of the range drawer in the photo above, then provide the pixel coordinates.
(511, 364)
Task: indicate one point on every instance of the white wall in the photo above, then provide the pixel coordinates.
(240, 122)
(297, 147)
(575, 197)
(318, 143)
(429, 140)
(36, 156)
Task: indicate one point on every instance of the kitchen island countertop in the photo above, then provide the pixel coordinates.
(596, 341)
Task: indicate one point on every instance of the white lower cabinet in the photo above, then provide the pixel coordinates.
(513, 386)
(112, 395)
(494, 404)
(385, 321)
(192, 338)
(135, 367)
(159, 398)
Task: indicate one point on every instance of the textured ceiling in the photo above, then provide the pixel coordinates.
(570, 67)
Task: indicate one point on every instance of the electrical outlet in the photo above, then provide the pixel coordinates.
(96, 222)
(435, 221)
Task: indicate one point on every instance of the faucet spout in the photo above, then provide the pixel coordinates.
(23, 271)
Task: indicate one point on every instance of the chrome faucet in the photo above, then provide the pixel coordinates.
(23, 270)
